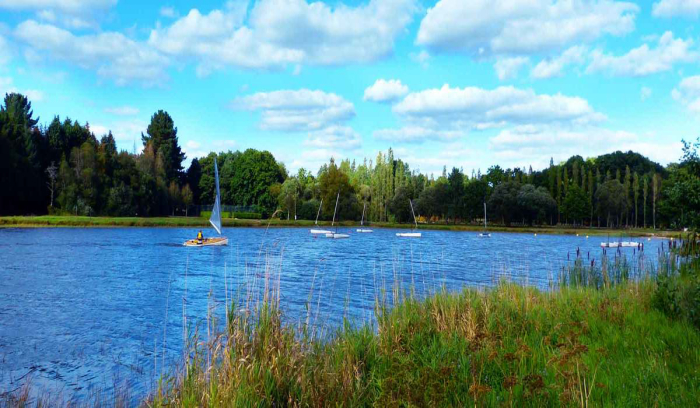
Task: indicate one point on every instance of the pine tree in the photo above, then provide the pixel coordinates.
(635, 188)
(645, 194)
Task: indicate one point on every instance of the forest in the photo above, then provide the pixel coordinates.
(64, 168)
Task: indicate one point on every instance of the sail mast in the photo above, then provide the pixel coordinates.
(319, 212)
(336, 208)
(413, 212)
(215, 218)
(362, 222)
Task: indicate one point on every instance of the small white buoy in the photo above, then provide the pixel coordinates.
(577, 235)
(586, 236)
(535, 234)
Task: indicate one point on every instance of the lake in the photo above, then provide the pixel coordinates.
(85, 309)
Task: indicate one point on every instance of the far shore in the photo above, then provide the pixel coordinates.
(48, 221)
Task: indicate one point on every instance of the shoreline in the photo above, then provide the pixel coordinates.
(49, 221)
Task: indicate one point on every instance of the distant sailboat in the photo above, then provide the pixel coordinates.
(214, 219)
(485, 234)
(362, 222)
(319, 231)
(410, 234)
(336, 235)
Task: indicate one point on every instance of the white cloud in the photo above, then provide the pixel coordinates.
(168, 12)
(676, 8)
(122, 110)
(6, 86)
(334, 137)
(5, 52)
(497, 27)
(416, 134)
(385, 91)
(534, 145)
(125, 132)
(477, 108)
(507, 68)
(688, 93)
(297, 110)
(645, 93)
(281, 32)
(643, 60)
(422, 58)
(553, 67)
(112, 54)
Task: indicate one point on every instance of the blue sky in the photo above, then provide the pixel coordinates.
(447, 82)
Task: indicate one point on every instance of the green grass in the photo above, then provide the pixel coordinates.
(510, 346)
(81, 221)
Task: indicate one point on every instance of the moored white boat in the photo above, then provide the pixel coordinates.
(362, 222)
(410, 234)
(484, 234)
(336, 235)
(623, 244)
(318, 231)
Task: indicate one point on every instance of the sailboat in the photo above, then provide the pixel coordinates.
(485, 234)
(362, 222)
(336, 235)
(410, 234)
(214, 219)
(316, 230)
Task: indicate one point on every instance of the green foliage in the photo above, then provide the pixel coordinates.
(576, 206)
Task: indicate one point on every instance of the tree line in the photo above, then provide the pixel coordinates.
(63, 168)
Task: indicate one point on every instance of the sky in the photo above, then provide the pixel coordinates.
(451, 83)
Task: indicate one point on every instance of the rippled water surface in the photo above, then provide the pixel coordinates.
(84, 309)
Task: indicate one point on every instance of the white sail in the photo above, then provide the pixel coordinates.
(215, 218)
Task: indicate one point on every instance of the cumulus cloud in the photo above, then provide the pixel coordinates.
(676, 8)
(168, 12)
(416, 134)
(553, 67)
(5, 52)
(281, 32)
(688, 93)
(385, 91)
(497, 27)
(507, 68)
(334, 137)
(535, 144)
(643, 60)
(122, 110)
(478, 108)
(112, 54)
(297, 110)
(7, 86)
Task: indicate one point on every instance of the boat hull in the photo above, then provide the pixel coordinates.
(624, 244)
(320, 231)
(483, 235)
(408, 234)
(219, 241)
(365, 231)
(337, 236)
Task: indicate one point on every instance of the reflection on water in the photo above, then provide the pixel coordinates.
(86, 309)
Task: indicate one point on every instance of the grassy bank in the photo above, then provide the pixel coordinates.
(79, 221)
(511, 346)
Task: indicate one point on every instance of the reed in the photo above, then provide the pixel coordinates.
(577, 345)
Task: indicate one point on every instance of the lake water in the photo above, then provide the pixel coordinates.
(85, 309)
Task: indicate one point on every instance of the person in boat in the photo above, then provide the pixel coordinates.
(200, 237)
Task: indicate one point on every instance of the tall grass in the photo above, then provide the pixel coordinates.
(577, 345)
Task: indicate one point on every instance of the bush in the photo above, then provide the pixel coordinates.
(679, 296)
